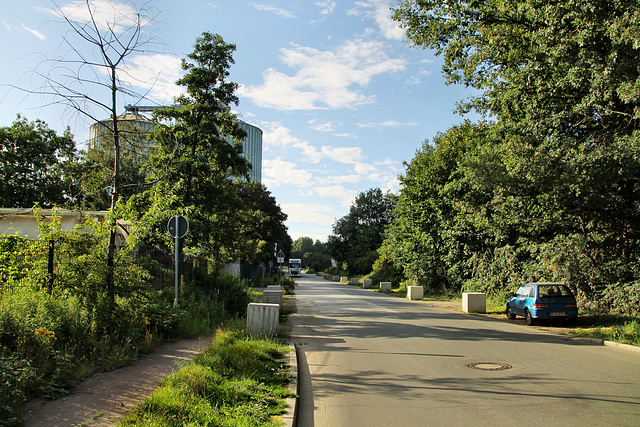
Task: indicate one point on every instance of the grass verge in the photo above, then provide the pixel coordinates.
(609, 328)
(240, 380)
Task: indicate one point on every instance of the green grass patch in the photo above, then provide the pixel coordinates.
(625, 333)
(240, 380)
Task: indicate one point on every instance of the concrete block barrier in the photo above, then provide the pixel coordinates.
(336, 278)
(385, 286)
(474, 302)
(354, 280)
(344, 279)
(367, 283)
(272, 297)
(263, 318)
(415, 292)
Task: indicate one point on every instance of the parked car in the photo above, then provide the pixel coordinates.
(536, 301)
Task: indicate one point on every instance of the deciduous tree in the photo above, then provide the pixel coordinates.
(357, 235)
(200, 139)
(34, 165)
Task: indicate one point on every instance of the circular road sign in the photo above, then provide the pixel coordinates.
(178, 225)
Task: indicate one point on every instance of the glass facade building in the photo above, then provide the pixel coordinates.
(252, 149)
(136, 126)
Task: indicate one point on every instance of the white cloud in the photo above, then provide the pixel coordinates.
(346, 155)
(344, 195)
(282, 172)
(106, 14)
(326, 6)
(156, 73)
(276, 135)
(316, 218)
(385, 124)
(324, 79)
(34, 32)
(342, 179)
(278, 138)
(272, 9)
(380, 12)
(321, 126)
(308, 213)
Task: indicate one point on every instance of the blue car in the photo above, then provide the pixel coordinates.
(548, 301)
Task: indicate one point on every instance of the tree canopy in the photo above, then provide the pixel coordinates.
(197, 159)
(34, 165)
(562, 67)
(552, 184)
(357, 235)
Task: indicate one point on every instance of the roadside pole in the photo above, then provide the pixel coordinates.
(280, 262)
(178, 227)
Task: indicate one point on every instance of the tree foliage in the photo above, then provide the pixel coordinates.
(262, 223)
(564, 67)
(357, 235)
(315, 255)
(431, 235)
(557, 175)
(34, 165)
(197, 161)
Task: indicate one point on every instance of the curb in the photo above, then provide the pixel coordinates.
(625, 347)
(290, 418)
(620, 346)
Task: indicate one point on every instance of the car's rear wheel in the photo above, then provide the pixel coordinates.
(510, 314)
(529, 319)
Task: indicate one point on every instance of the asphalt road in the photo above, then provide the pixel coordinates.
(373, 360)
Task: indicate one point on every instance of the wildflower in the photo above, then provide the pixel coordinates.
(45, 333)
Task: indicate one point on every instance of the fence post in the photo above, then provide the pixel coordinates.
(52, 245)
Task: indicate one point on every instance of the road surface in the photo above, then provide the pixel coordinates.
(373, 360)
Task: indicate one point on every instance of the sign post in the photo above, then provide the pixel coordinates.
(280, 261)
(178, 227)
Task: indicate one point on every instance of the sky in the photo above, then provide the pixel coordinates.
(341, 96)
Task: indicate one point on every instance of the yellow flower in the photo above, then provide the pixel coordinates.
(45, 333)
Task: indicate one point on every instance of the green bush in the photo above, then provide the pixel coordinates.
(335, 271)
(385, 271)
(232, 292)
(44, 342)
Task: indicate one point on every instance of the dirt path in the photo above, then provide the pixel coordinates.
(103, 398)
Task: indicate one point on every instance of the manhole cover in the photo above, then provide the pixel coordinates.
(489, 366)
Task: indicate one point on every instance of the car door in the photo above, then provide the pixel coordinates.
(519, 302)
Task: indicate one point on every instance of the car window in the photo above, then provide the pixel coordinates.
(519, 292)
(530, 291)
(552, 291)
(546, 291)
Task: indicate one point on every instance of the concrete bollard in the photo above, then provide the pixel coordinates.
(344, 279)
(272, 297)
(263, 318)
(367, 283)
(474, 302)
(354, 280)
(385, 286)
(415, 292)
(336, 279)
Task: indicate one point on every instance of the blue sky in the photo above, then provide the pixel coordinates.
(341, 96)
